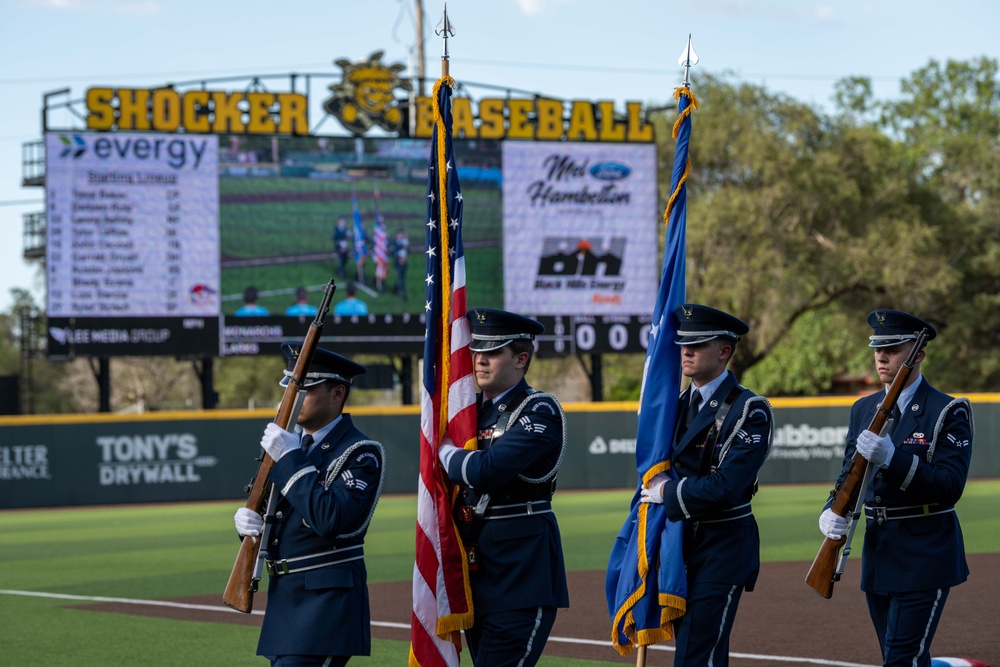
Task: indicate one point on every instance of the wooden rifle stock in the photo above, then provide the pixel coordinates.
(242, 582)
(823, 572)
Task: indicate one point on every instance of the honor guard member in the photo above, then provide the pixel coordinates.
(504, 510)
(723, 435)
(913, 549)
(329, 477)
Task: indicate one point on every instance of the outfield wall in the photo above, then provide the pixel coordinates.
(60, 460)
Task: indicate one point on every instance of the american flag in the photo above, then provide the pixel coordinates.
(381, 241)
(442, 599)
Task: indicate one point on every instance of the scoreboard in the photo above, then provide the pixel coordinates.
(404, 334)
(154, 240)
(132, 242)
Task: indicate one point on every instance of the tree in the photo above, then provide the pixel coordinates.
(823, 349)
(249, 381)
(790, 213)
(949, 118)
(798, 223)
(21, 341)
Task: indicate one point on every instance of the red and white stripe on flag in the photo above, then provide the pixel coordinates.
(442, 599)
(381, 242)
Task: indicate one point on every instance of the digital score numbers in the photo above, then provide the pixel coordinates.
(132, 225)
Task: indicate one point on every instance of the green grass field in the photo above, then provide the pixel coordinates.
(286, 226)
(170, 551)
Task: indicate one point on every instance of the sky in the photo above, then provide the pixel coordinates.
(625, 50)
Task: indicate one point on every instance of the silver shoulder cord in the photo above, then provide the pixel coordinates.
(562, 451)
(856, 514)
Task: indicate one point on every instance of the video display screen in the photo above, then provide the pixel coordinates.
(221, 244)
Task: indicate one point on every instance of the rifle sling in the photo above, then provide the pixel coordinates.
(713, 435)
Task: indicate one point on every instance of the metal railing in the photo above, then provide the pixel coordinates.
(34, 238)
(33, 163)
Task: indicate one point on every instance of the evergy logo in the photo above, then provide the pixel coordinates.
(176, 151)
(73, 146)
(150, 459)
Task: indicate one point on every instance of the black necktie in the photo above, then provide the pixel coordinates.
(487, 404)
(307, 441)
(693, 402)
(895, 417)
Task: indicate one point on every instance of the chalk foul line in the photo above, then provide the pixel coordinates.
(404, 626)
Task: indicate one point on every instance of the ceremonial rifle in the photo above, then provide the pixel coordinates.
(246, 572)
(849, 495)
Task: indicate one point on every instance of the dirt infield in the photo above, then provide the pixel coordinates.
(783, 622)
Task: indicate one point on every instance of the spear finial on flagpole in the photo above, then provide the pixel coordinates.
(688, 58)
(445, 28)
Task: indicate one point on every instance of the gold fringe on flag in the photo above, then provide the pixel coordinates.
(442, 177)
(677, 126)
(674, 607)
(452, 624)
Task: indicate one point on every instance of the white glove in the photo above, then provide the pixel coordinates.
(248, 522)
(654, 492)
(277, 441)
(653, 495)
(876, 448)
(445, 452)
(832, 524)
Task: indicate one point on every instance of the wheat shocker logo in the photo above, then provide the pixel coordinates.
(365, 96)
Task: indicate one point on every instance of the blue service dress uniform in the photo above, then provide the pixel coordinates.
(519, 577)
(721, 539)
(327, 500)
(913, 541)
(341, 246)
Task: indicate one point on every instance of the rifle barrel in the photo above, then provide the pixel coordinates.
(823, 571)
(242, 582)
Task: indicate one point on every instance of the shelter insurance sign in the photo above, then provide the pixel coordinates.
(132, 237)
(580, 228)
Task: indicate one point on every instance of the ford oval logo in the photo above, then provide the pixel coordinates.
(610, 171)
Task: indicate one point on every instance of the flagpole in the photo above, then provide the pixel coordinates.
(442, 595)
(687, 59)
(445, 29)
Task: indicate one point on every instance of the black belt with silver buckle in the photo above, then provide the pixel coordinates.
(882, 514)
(518, 509)
(731, 514)
(277, 568)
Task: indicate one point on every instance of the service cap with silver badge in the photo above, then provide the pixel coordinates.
(325, 365)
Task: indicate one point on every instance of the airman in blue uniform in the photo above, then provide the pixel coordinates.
(329, 478)
(723, 436)
(504, 510)
(913, 549)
